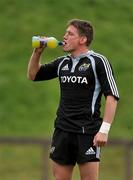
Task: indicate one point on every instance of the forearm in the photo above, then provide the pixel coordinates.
(110, 109)
(109, 113)
(101, 137)
(33, 65)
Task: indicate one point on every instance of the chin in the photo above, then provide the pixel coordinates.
(67, 50)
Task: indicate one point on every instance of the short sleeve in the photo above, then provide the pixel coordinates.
(106, 77)
(48, 71)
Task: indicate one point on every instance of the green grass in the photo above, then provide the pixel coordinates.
(26, 163)
(23, 163)
(28, 108)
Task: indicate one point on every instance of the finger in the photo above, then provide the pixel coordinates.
(101, 143)
(94, 141)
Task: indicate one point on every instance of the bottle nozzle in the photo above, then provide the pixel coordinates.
(61, 43)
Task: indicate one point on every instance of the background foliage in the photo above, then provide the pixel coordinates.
(28, 108)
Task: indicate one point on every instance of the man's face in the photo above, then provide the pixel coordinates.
(71, 39)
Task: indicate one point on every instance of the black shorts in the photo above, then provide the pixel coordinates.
(70, 148)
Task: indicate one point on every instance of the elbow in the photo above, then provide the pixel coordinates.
(31, 76)
(31, 73)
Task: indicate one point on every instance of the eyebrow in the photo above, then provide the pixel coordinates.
(68, 31)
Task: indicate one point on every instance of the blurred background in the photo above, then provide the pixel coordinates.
(27, 109)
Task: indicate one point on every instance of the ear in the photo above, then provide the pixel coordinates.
(83, 40)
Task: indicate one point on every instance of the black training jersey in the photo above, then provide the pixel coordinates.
(83, 80)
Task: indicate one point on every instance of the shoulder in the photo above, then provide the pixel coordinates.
(57, 61)
(100, 60)
(65, 57)
(98, 57)
(62, 59)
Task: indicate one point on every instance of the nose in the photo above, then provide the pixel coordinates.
(65, 36)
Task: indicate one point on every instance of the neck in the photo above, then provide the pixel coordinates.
(78, 52)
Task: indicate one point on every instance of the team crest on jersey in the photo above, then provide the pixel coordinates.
(65, 68)
(84, 67)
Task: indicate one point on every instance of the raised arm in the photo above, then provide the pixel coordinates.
(34, 63)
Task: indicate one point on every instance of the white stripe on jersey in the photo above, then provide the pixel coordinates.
(97, 84)
(109, 74)
(66, 58)
(98, 152)
(75, 61)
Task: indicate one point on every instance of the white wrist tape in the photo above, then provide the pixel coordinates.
(105, 127)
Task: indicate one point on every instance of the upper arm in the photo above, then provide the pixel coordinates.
(106, 77)
(47, 71)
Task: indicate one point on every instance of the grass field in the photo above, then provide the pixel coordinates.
(26, 163)
(27, 108)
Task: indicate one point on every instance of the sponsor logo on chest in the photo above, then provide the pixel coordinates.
(74, 79)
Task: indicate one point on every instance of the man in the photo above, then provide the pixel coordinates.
(83, 76)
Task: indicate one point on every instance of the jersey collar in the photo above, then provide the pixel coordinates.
(82, 55)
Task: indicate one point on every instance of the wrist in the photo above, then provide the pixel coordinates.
(105, 127)
(38, 51)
